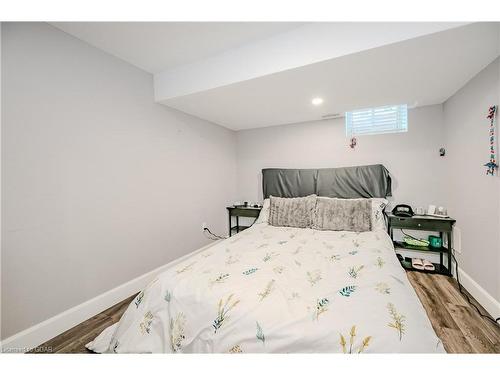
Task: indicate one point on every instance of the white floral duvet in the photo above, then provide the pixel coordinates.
(279, 290)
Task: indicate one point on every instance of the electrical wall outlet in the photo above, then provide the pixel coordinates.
(203, 226)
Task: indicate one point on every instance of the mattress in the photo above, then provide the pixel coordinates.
(279, 290)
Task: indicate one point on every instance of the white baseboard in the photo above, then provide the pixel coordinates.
(486, 300)
(44, 331)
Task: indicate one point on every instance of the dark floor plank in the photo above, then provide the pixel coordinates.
(477, 333)
(468, 332)
(75, 339)
(454, 341)
(433, 302)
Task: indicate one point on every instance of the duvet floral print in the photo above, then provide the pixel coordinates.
(278, 290)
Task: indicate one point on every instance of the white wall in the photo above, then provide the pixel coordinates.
(472, 197)
(0, 175)
(99, 183)
(412, 158)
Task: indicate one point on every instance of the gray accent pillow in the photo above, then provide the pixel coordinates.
(292, 212)
(353, 215)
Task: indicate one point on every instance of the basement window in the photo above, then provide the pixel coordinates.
(379, 120)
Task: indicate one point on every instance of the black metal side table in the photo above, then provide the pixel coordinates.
(241, 211)
(444, 226)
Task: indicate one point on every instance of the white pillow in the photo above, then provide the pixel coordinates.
(378, 220)
(264, 213)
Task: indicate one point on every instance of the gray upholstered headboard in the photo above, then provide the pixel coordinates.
(368, 181)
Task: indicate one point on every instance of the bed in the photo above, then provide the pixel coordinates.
(272, 289)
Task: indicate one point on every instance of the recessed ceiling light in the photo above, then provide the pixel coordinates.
(317, 101)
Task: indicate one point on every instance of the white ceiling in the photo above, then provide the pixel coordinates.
(421, 71)
(249, 75)
(156, 46)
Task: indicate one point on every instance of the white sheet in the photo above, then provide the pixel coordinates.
(271, 289)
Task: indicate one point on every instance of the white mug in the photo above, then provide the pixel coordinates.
(441, 211)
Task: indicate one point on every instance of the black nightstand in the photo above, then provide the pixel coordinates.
(444, 226)
(241, 211)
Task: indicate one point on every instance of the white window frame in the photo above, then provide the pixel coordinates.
(378, 120)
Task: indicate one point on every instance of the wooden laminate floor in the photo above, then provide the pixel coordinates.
(455, 321)
(457, 324)
(74, 339)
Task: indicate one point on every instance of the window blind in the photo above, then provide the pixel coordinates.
(380, 120)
